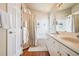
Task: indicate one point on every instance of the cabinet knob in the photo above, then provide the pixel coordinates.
(59, 53)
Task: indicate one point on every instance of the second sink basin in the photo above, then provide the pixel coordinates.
(71, 39)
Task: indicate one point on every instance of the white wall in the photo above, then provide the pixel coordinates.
(62, 13)
(3, 42)
(75, 8)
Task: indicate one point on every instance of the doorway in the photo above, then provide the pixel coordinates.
(41, 28)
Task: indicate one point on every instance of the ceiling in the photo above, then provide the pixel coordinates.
(47, 7)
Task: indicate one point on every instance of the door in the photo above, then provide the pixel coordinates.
(3, 42)
(15, 31)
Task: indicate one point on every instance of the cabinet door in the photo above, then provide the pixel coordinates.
(69, 52)
(57, 48)
(49, 45)
(53, 47)
(66, 51)
(61, 51)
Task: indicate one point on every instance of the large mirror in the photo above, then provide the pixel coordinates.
(68, 24)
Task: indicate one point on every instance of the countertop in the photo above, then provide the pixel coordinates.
(68, 39)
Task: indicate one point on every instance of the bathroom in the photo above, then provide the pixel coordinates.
(39, 29)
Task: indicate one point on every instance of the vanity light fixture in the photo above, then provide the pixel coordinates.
(25, 10)
(59, 5)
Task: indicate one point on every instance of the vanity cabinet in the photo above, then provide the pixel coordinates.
(57, 48)
(67, 51)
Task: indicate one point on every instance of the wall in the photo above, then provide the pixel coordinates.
(62, 13)
(68, 11)
(3, 7)
(3, 42)
(75, 8)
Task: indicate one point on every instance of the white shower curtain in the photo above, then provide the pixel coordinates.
(25, 35)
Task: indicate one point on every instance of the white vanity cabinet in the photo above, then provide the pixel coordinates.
(52, 46)
(67, 51)
(57, 48)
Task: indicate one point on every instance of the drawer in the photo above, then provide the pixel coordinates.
(70, 52)
(67, 52)
(56, 48)
(53, 52)
(51, 42)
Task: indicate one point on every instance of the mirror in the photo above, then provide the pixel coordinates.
(68, 24)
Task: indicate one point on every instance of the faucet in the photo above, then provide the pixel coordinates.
(77, 36)
(57, 32)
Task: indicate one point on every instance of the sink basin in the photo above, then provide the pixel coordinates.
(71, 39)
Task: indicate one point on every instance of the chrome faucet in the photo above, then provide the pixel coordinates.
(77, 36)
(57, 32)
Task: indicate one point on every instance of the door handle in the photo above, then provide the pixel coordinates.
(10, 32)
